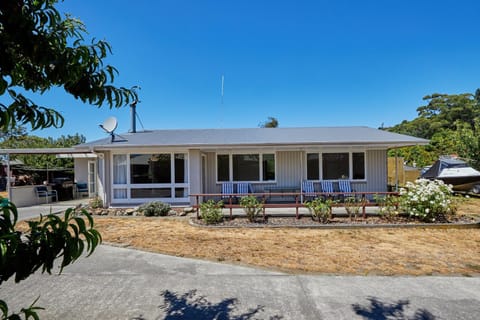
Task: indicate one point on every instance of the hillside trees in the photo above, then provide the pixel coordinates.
(41, 50)
(451, 122)
(44, 160)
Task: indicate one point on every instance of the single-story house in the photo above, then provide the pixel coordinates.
(171, 165)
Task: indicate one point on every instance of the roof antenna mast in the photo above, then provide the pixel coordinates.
(221, 102)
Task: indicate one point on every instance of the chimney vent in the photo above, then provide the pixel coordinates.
(133, 116)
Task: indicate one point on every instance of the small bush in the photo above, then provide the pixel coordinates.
(155, 209)
(427, 200)
(252, 207)
(387, 206)
(353, 206)
(320, 209)
(95, 203)
(211, 212)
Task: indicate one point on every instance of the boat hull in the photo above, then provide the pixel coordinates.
(461, 183)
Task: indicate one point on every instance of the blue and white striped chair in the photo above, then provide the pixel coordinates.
(244, 188)
(308, 190)
(346, 188)
(327, 186)
(227, 189)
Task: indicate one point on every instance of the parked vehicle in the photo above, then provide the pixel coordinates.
(455, 172)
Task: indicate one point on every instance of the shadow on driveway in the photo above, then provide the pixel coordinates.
(192, 306)
(379, 310)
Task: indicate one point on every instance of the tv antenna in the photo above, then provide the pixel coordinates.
(109, 126)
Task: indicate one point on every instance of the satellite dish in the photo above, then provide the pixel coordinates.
(109, 125)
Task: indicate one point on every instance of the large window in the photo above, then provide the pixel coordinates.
(246, 167)
(268, 172)
(223, 167)
(358, 165)
(313, 166)
(336, 165)
(152, 175)
(150, 168)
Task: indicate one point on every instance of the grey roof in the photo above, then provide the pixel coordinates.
(218, 138)
(75, 150)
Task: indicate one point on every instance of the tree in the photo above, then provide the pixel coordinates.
(443, 111)
(469, 143)
(13, 133)
(270, 123)
(40, 50)
(451, 124)
(43, 160)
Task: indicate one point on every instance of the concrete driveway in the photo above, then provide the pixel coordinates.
(119, 283)
(34, 211)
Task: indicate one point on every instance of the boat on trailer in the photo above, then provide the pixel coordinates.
(455, 172)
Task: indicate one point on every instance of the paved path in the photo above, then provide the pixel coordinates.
(119, 283)
(44, 209)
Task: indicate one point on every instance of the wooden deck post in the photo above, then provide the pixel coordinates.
(197, 204)
(296, 206)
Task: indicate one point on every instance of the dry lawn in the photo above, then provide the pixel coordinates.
(386, 251)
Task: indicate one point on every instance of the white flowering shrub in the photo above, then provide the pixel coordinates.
(427, 199)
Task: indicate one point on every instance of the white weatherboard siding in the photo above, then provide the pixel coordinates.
(376, 168)
(211, 174)
(195, 171)
(289, 168)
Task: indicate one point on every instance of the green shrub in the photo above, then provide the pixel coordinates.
(320, 209)
(353, 205)
(211, 212)
(95, 203)
(387, 206)
(154, 209)
(427, 200)
(252, 207)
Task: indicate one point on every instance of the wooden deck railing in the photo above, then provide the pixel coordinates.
(229, 199)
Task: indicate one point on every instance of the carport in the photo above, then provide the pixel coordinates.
(22, 196)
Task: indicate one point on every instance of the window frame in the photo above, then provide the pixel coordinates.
(350, 164)
(172, 185)
(260, 166)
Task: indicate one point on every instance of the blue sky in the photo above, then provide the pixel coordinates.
(307, 63)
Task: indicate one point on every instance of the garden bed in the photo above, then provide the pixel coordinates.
(339, 221)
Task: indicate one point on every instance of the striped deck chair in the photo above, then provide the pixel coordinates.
(327, 186)
(244, 188)
(227, 189)
(346, 188)
(308, 190)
